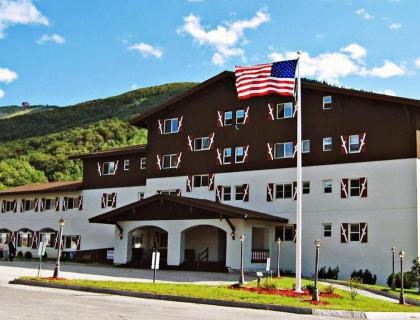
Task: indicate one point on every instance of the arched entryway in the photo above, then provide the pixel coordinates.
(204, 248)
(143, 241)
(5, 235)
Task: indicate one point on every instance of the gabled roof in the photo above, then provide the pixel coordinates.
(167, 207)
(134, 149)
(308, 84)
(48, 187)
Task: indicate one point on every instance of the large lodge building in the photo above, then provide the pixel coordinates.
(216, 168)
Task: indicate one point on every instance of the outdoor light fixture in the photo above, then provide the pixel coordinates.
(393, 250)
(241, 274)
(315, 293)
(402, 297)
(278, 256)
(232, 235)
(61, 223)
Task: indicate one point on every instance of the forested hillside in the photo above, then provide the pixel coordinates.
(34, 147)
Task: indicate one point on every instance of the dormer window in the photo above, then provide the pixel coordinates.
(285, 110)
(108, 168)
(171, 126)
(327, 102)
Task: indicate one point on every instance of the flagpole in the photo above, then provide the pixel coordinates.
(298, 286)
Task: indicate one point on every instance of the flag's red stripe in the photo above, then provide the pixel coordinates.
(258, 66)
(253, 73)
(265, 87)
(264, 79)
(264, 93)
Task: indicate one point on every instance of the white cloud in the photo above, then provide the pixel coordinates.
(389, 92)
(332, 66)
(146, 50)
(51, 38)
(14, 12)
(1, 93)
(134, 86)
(227, 39)
(417, 62)
(7, 75)
(364, 14)
(394, 26)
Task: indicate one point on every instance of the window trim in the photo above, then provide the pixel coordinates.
(309, 187)
(201, 180)
(175, 155)
(350, 187)
(358, 138)
(164, 125)
(323, 186)
(276, 185)
(108, 173)
(224, 156)
(201, 138)
(324, 103)
(223, 193)
(284, 145)
(309, 143)
(236, 116)
(353, 232)
(241, 194)
(284, 107)
(243, 154)
(324, 144)
(324, 231)
(224, 118)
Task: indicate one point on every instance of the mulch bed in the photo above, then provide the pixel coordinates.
(53, 279)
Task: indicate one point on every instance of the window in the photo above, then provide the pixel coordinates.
(171, 126)
(284, 191)
(240, 116)
(4, 237)
(70, 203)
(109, 199)
(283, 150)
(327, 102)
(202, 143)
(108, 168)
(327, 144)
(227, 193)
(170, 161)
(285, 110)
(25, 240)
(126, 165)
(327, 230)
(354, 143)
(239, 192)
(8, 206)
(48, 204)
(173, 192)
(140, 195)
(327, 186)
(306, 187)
(46, 237)
(306, 146)
(228, 118)
(227, 155)
(27, 205)
(239, 155)
(355, 187)
(71, 242)
(200, 181)
(354, 232)
(142, 163)
(285, 233)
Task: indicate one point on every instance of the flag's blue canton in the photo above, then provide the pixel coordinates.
(284, 69)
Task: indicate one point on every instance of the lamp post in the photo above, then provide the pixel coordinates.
(402, 298)
(393, 269)
(60, 236)
(241, 274)
(278, 256)
(315, 293)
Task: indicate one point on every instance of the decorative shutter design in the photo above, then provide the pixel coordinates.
(114, 200)
(160, 126)
(103, 200)
(270, 113)
(211, 181)
(219, 194)
(363, 232)
(294, 109)
(363, 188)
(78, 242)
(362, 139)
(3, 206)
(344, 233)
(246, 118)
(294, 149)
(65, 203)
(42, 204)
(116, 167)
(270, 192)
(178, 192)
(180, 127)
(80, 203)
(294, 190)
(99, 169)
(57, 204)
(158, 162)
(211, 136)
(344, 188)
(22, 205)
(343, 147)
(294, 233)
(270, 151)
(245, 198)
(189, 184)
(14, 206)
(219, 156)
(35, 236)
(190, 143)
(219, 119)
(36, 204)
(178, 162)
(246, 154)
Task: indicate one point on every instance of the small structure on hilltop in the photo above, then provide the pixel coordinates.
(25, 105)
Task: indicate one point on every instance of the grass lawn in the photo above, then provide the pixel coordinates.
(409, 293)
(225, 293)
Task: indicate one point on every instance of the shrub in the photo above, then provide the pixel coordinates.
(331, 273)
(19, 254)
(28, 255)
(310, 288)
(366, 276)
(269, 283)
(409, 282)
(329, 289)
(415, 272)
(353, 286)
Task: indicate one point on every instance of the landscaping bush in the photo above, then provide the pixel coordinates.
(329, 289)
(310, 288)
(19, 254)
(353, 286)
(331, 273)
(409, 282)
(269, 283)
(366, 276)
(28, 255)
(415, 272)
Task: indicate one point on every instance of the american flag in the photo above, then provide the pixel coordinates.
(262, 79)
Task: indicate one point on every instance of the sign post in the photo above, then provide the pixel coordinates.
(41, 253)
(155, 262)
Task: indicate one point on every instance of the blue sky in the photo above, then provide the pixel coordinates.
(64, 52)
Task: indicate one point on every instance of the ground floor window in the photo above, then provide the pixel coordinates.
(47, 238)
(25, 240)
(71, 242)
(4, 237)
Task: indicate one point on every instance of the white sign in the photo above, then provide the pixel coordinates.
(268, 266)
(41, 249)
(155, 257)
(260, 274)
(110, 254)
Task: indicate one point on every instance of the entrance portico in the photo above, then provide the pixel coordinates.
(199, 234)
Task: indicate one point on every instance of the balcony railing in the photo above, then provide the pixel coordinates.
(259, 255)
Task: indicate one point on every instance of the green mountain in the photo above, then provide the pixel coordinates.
(34, 146)
(8, 112)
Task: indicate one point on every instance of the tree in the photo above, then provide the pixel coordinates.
(415, 272)
(16, 172)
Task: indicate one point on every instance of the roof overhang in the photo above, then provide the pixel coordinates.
(135, 149)
(167, 207)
